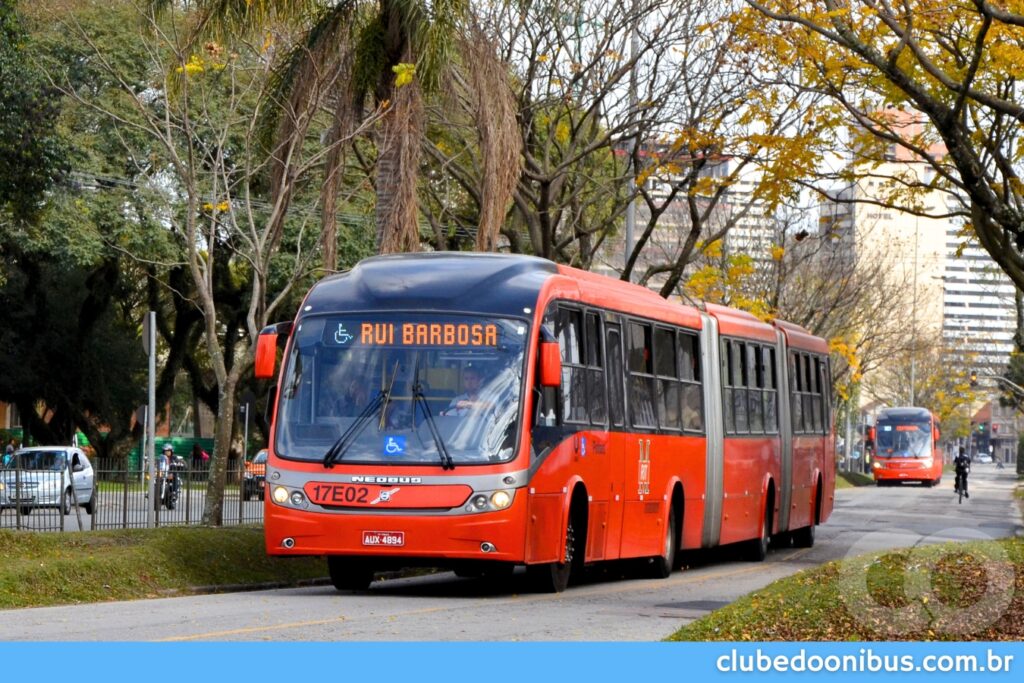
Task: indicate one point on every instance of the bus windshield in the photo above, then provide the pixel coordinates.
(904, 439)
(466, 371)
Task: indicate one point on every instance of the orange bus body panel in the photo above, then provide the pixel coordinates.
(630, 477)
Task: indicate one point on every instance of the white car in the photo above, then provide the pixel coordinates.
(42, 476)
(983, 458)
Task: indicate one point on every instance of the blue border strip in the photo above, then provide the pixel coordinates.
(492, 662)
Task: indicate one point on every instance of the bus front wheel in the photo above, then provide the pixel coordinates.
(349, 574)
(553, 577)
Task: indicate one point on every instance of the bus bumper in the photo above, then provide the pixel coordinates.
(495, 535)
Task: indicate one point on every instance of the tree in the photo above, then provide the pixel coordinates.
(59, 293)
(957, 63)
(634, 104)
(235, 248)
(33, 154)
(389, 56)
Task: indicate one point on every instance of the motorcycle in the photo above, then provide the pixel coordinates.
(168, 484)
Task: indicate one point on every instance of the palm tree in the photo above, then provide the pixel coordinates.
(384, 55)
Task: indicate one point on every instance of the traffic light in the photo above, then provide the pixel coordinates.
(974, 378)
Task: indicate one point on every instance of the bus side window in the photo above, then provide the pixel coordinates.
(812, 417)
(569, 331)
(641, 399)
(795, 388)
(726, 374)
(667, 382)
(739, 383)
(616, 395)
(771, 419)
(689, 374)
(755, 389)
(548, 408)
(595, 369)
(826, 395)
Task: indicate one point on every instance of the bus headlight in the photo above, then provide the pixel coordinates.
(876, 465)
(298, 500)
(501, 500)
(280, 495)
(927, 462)
(489, 501)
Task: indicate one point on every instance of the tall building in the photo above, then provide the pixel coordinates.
(952, 290)
(978, 308)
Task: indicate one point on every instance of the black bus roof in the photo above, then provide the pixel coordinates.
(904, 414)
(494, 284)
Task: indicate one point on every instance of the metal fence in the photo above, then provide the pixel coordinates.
(121, 499)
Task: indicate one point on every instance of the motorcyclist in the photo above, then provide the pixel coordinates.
(165, 466)
(963, 467)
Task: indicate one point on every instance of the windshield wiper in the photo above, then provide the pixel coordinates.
(446, 459)
(336, 451)
(387, 399)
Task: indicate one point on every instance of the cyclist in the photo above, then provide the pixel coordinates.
(963, 468)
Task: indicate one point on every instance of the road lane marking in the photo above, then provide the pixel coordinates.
(610, 589)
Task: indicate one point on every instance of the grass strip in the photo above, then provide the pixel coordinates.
(40, 569)
(954, 591)
(846, 480)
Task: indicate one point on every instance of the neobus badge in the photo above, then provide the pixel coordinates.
(360, 479)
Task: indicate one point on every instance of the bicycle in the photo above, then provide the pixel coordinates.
(960, 489)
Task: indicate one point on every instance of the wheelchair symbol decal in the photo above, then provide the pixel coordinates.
(341, 336)
(394, 445)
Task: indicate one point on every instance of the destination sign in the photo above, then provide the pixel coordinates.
(412, 334)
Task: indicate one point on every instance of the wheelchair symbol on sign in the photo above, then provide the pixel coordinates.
(394, 445)
(341, 336)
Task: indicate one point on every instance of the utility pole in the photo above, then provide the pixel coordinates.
(149, 343)
(913, 322)
(634, 48)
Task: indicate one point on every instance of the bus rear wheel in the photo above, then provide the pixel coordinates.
(349, 574)
(662, 566)
(757, 549)
(804, 537)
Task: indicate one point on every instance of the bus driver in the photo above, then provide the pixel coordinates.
(470, 400)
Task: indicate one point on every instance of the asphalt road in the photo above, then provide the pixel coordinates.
(605, 606)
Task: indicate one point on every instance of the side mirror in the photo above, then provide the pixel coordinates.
(550, 364)
(266, 354)
(935, 434)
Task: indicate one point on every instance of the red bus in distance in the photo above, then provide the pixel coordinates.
(906, 442)
(481, 412)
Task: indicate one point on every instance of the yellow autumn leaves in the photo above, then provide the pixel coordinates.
(197, 64)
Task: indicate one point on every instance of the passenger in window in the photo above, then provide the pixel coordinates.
(692, 418)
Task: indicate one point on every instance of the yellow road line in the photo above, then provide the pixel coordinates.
(610, 589)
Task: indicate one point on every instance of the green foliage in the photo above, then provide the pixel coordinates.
(32, 153)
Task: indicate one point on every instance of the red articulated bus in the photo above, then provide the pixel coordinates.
(906, 447)
(483, 411)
